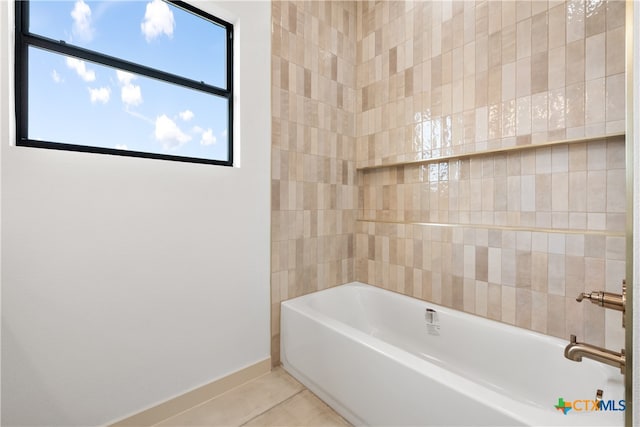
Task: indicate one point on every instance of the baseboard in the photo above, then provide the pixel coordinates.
(195, 397)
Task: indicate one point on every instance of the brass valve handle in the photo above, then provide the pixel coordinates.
(604, 299)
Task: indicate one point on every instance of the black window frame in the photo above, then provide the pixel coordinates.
(24, 39)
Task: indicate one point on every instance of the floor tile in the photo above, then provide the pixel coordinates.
(241, 404)
(302, 410)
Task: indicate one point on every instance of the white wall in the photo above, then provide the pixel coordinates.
(129, 281)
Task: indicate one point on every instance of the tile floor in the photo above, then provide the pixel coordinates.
(274, 399)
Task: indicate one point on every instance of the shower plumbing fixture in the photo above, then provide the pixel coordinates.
(576, 351)
(607, 299)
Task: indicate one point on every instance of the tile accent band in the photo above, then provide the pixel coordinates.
(503, 227)
(492, 152)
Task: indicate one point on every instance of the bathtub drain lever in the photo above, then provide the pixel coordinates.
(433, 326)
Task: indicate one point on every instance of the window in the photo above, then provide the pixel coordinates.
(135, 78)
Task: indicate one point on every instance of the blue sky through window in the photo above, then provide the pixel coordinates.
(84, 103)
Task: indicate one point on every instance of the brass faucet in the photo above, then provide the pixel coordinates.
(604, 299)
(608, 299)
(576, 351)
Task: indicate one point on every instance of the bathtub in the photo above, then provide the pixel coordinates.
(381, 358)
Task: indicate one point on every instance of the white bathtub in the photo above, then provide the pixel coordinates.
(373, 357)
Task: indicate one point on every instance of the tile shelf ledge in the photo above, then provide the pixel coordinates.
(502, 227)
(491, 152)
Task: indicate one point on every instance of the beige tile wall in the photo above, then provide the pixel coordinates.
(511, 236)
(313, 190)
(517, 276)
(448, 77)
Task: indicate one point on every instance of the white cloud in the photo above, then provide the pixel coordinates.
(158, 19)
(122, 147)
(130, 94)
(56, 77)
(197, 129)
(208, 138)
(101, 95)
(124, 77)
(186, 115)
(80, 67)
(81, 15)
(169, 134)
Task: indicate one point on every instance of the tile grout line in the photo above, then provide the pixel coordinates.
(277, 404)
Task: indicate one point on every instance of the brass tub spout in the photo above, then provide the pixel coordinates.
(576, 351)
